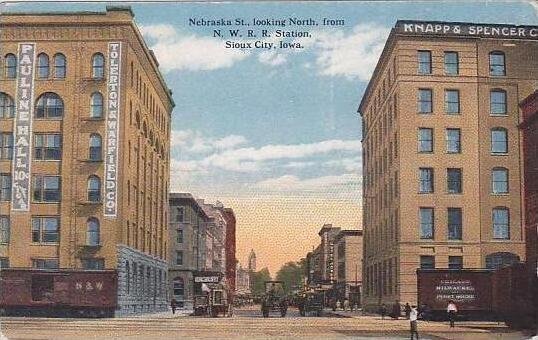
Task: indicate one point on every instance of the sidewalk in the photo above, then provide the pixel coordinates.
(163, 315)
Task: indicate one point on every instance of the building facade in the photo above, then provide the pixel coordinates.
(441, 152)
(186, 246)
(348, 264)
(85, 129)
(231, 260)
(328, 235)
(242, 281)
(252, 261)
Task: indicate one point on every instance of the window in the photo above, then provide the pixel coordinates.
(45, 264)
(6, 145)
(45, 229)
(10, 66)
(96, 105)
(425, 101)
(180, 214)
(94, 189)
(180, 236)
(46, 188)
(96, 149)
(425, 140)
(4, 229)
(4, 262)
(497, 102)
(453, 180)
(179, 258)
(128, 276)
(453, 141)
(455, 262)
(454, 223)
(60, 66)
(48, 147)
(42, 66)
(427, 262)
(49, 105)
(497, 65)
(501, 259)
(499, 181)
(451, 63)
(93, 232)
(98, 66)
(178, 286)
(501, 223)
(7, 106)
(426, 180)
(424, 62)
(94, 264)
(452, 101)
(5, 187)
(499, 141)
(426, 223)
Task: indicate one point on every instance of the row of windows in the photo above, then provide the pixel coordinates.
(500, 223)
(59, 66)
(497, 63)
(497, 102)
(454, 180)
(46, 229)
(139, 278)
(50, 105)
(499, 140)
(428, 262)
(48, 188)
(49, 146)
(493, 261)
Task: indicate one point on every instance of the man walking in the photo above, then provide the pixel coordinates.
(413, 315)
(452, 310)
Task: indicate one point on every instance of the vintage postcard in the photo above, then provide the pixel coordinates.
(268, 169)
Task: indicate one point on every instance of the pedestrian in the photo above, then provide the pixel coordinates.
(338, 304)
(383, 311)
(346, 304)
(396, 310)
(173, 304)
(407, 310)
(452, 310)
(413, 316)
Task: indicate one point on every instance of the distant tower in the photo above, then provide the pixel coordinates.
(252, 261)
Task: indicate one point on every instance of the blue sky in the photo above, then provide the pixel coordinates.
(252, 125)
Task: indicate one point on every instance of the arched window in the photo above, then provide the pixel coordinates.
(10, 66)
(501, 259)
(7, 106)
(497, 65)
(96, 147)
(94, 189)
(501, 223)
(497, 102)
(178, 285)
(49, 105)
(60, 66)
(42, 66)
(92, 232)
(499, 180)
(98, 66)
(499, 141)
(96, 105)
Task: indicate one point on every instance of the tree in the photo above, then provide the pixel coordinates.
(257, 281)
(292, 274)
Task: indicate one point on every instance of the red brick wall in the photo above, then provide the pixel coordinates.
(230, 248)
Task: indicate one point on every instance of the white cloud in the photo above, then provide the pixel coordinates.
(294, 183)
(348, 164)
(354, 55)
(180, 137)
(189, 52)
(229, 142)
(194, 142)
(272, 58)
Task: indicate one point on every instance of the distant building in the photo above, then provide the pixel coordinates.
(252, 261)
(328, 235)
(314, 264)
(230, 244)
(348, 245)
(242, 281)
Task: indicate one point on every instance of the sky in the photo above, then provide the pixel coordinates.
(275, 134)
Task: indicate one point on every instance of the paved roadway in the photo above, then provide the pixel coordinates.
(246, 324)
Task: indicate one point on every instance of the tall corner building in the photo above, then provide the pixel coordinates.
(442, 152)
(84, 150)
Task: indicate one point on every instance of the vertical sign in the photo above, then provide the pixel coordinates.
(112, 129)
(22, 126)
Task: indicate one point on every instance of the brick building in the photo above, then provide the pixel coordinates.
(231, 260)
(441, 152)
(86, 186)
(348, 264)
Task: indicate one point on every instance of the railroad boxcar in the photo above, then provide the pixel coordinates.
(58, 293)
(471, 290)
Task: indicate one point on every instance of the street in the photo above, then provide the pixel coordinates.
(247, 323)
